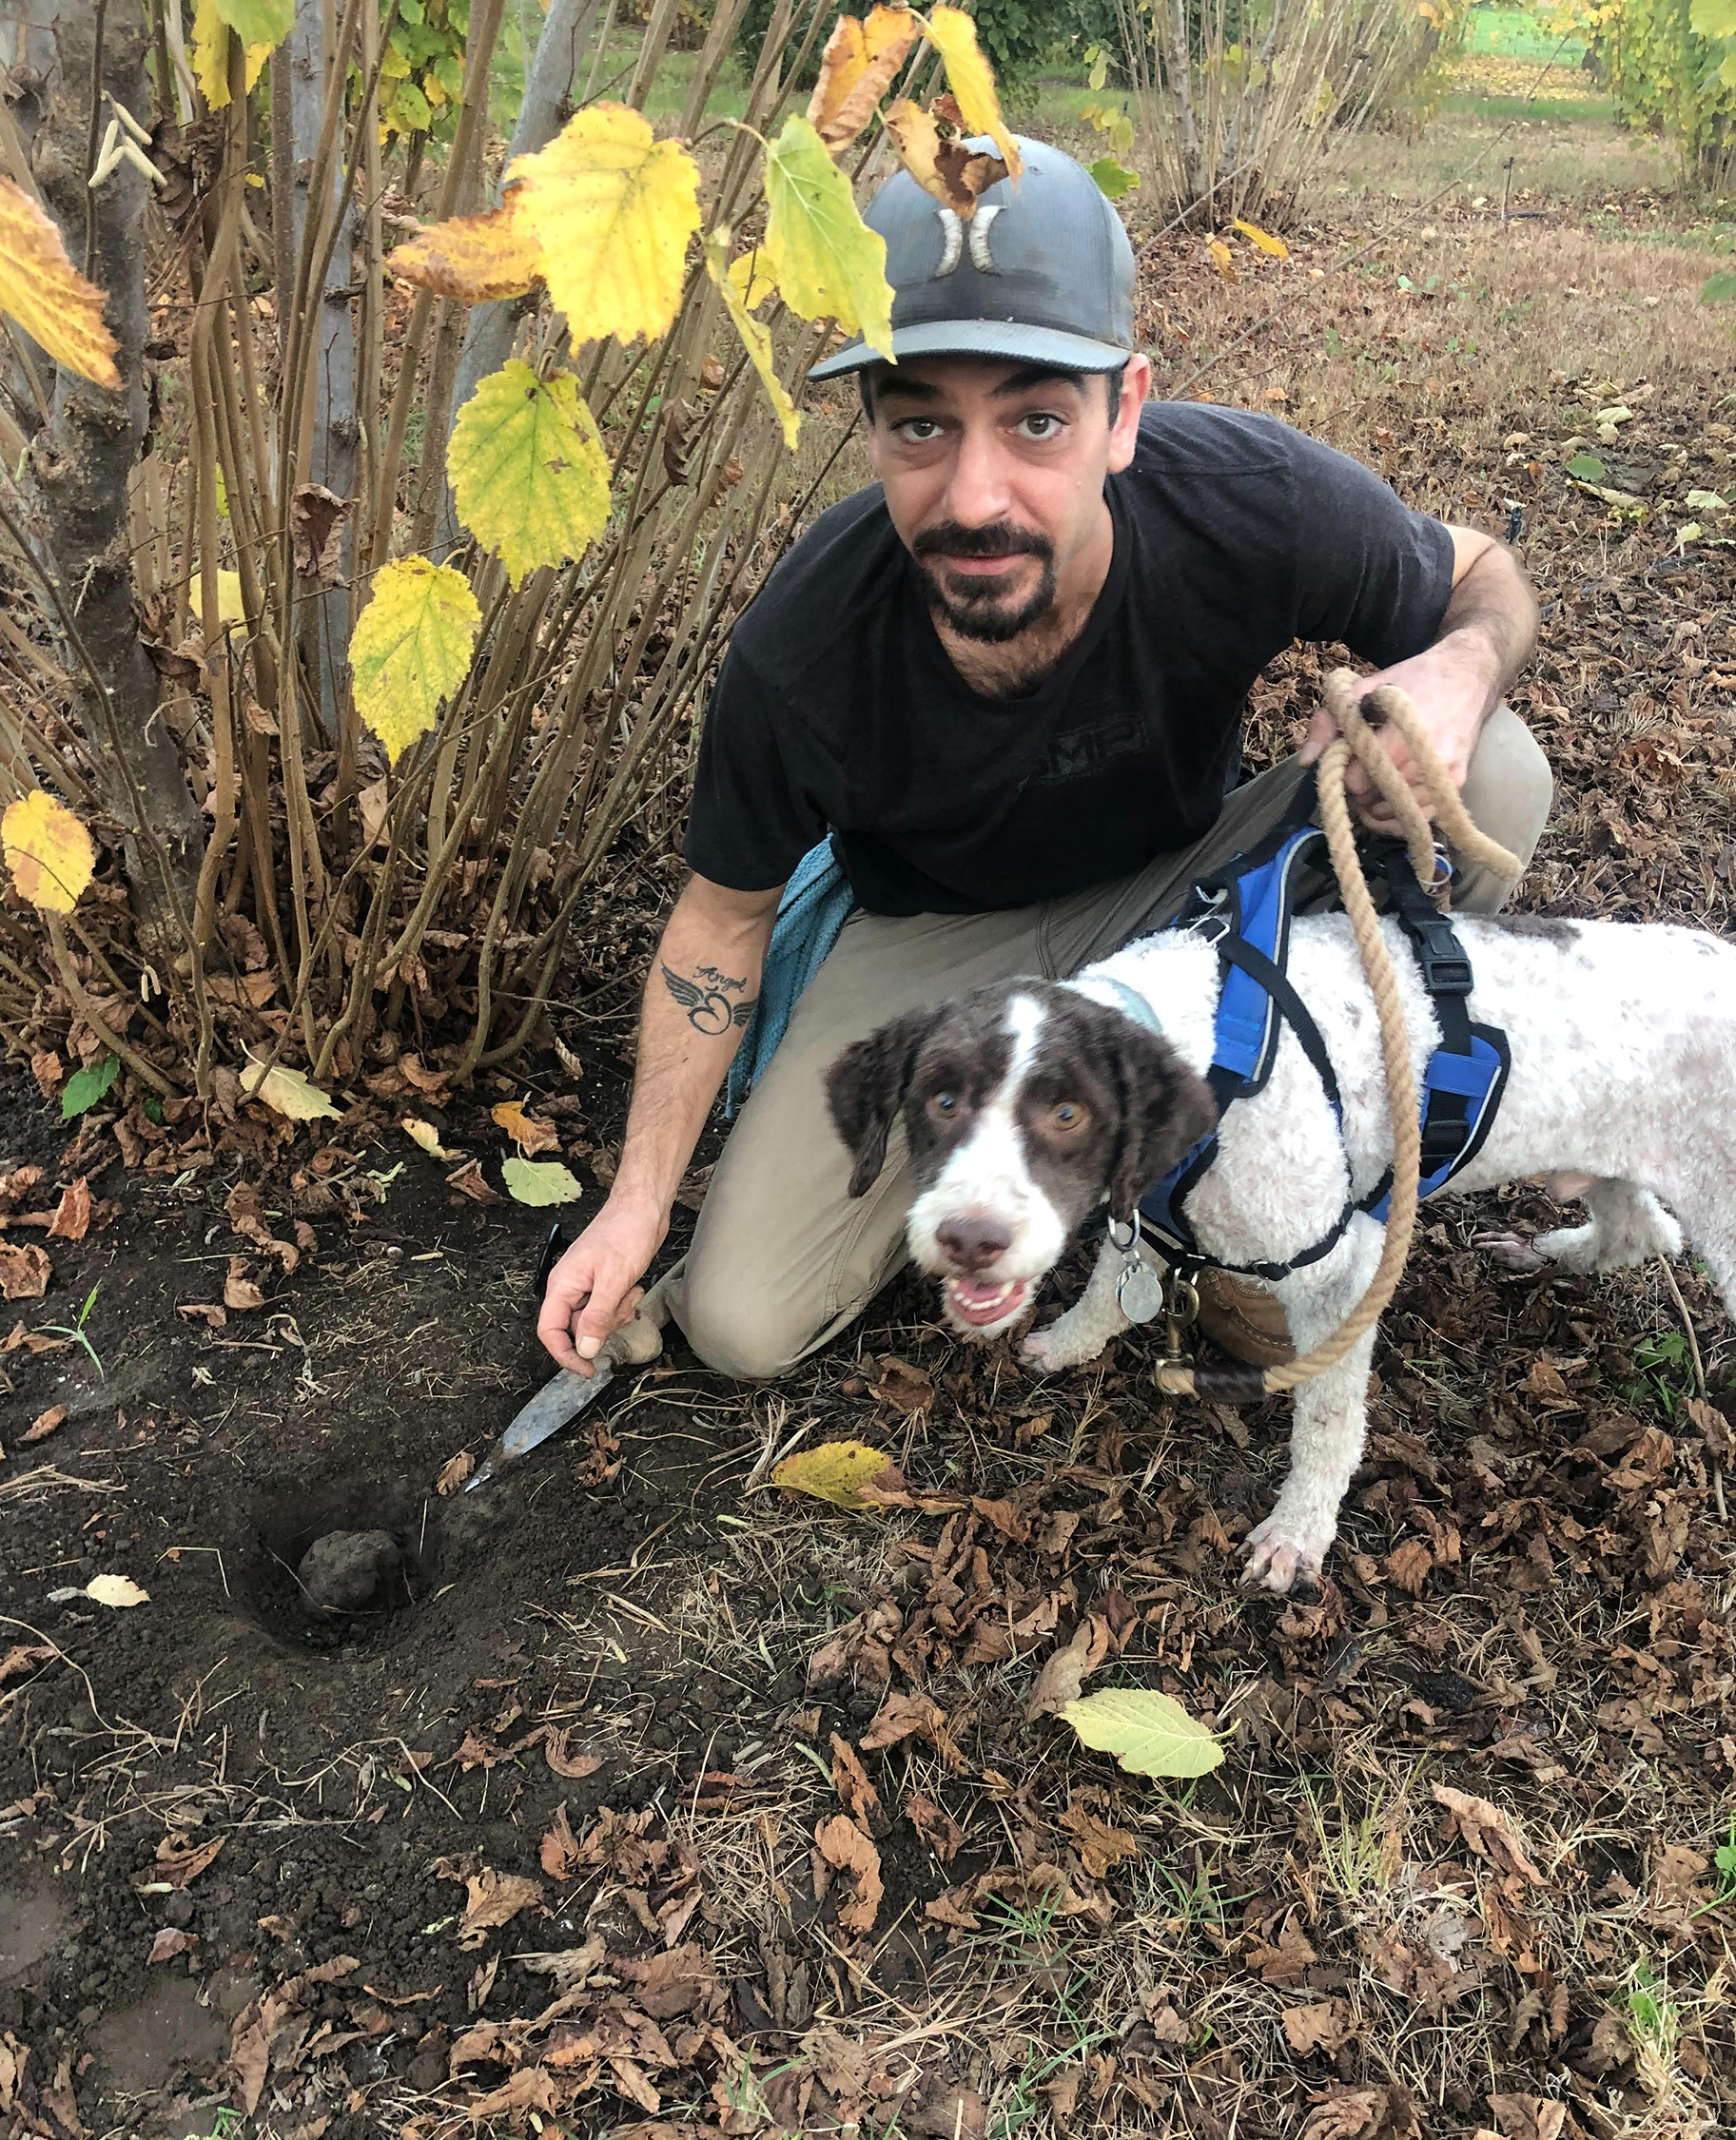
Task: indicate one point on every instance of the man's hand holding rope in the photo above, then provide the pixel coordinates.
(1486, 635)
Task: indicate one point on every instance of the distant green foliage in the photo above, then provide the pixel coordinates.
(422, 71)
(1671, 66)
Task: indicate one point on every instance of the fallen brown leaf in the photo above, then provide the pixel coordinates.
(1707, 1420)
(669, 1983)
(842, 1844)
(1410, 1564)
(25, 1657)
(856, 1793)
(530, 1134)
(33, 1341)
(904, 1716)
(239, 1291)
(244, 1209)
(903, 1387)
(1487, 1831)
(1325, 2025)
(468, 1181)
(1528, 2117)
(573, 1766)
(1285, 1962)
(559, 1850)
(44, 1424)
(496, 1898)
(25, 1271)
(16, 1184)
(939, 2109)
(169, 1942)
(1063, 2092)
(205, 1312)
(180, 1863)
(1067, 1669)
(935, 1825)
(455, 1471)
(1099, 1845)
(1348, 2113)
(71, 1219)
(532, 2087)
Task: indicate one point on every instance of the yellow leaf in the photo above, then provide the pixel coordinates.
(756, 340)
(116, 1590)
(531, 1137)
(231, 608)
(940, 163)
(287, 1093)
(751, 280)
(836, 1472)
(528, 469)
(411, 648)
(427, 1137)
(856, 69)
(1147, 1732)
(971, 79)
(46, 294)
(1223, 259)
(827, 262)
(1264, 240)
(211, 53)
(539, 1182)
(48, 851)
(259, 22)
(474, 259)
(613, 210)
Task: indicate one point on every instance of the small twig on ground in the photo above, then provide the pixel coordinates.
(1693, 1349)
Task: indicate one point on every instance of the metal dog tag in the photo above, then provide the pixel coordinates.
(1139, 1291)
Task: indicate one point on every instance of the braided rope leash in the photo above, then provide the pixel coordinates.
(1357, 739)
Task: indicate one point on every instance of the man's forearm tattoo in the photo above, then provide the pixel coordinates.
(707, 1002)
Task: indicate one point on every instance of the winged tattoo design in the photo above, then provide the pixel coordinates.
(709, 1010)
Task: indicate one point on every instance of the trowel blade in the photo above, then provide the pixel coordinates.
(547, 1412)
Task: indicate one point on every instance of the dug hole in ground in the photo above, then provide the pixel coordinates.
(630, 1798)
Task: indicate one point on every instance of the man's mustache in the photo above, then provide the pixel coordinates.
(951, 539)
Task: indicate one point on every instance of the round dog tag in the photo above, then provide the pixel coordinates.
(1139, 1290)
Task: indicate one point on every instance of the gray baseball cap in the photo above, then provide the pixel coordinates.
(1043, 274)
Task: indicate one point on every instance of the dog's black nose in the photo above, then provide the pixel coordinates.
(972, 1244)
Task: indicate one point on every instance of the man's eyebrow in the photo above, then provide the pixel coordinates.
(897, 381)
(1029, 376)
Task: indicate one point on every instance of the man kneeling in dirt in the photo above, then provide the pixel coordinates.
(1006, 683)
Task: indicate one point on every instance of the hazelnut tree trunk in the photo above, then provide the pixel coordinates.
(81, 462)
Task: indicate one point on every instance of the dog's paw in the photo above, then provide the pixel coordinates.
(1279, 1554)
(1513, 1251)
(1046, 1351)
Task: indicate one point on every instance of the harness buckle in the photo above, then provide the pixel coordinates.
(1446, 970)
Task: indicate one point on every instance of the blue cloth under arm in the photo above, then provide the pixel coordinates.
(810, 916)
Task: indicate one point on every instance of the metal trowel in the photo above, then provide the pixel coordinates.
(568, 1394)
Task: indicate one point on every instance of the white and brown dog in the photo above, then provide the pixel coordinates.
(1029, 1104)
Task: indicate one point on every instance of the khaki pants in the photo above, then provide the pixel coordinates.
(782, 1259)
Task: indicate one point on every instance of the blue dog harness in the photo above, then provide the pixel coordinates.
(1251, 902)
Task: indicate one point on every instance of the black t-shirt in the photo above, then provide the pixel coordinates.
(837, 708)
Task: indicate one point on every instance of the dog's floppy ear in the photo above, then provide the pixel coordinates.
(865, 1087)
(1166, 1111)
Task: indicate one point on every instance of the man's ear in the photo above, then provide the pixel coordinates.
(1166, 1111)
(866, 1088)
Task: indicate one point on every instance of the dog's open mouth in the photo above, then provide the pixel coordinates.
(982, 1301)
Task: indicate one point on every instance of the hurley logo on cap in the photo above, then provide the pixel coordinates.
(952, 241)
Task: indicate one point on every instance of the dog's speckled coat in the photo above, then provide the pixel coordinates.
(1624, 1071)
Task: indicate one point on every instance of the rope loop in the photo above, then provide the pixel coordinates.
(1358, 739)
